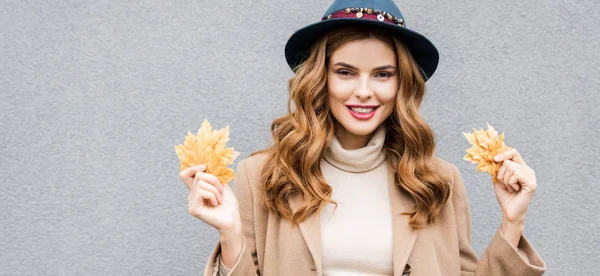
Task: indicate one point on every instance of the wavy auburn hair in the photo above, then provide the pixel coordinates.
(301, 136)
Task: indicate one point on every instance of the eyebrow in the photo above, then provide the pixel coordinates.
(376, 68)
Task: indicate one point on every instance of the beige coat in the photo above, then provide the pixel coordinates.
(272, 247)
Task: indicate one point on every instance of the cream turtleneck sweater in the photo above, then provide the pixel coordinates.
(356, 238)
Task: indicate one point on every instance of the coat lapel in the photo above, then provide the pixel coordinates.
(311, 232)
(404, 236)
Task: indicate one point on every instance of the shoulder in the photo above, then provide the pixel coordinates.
(445, 167)
(450, 172)
(248, 172)
(252, 166)
(457, 186)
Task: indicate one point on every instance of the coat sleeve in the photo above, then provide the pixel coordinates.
(247, 262)
(501, 257)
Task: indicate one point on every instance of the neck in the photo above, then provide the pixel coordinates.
(351, 141)
(360, 159)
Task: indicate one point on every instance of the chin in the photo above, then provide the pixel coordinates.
(361, 129)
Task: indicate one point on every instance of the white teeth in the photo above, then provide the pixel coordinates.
(362, 110)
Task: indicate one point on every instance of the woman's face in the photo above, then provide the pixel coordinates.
(362, 83)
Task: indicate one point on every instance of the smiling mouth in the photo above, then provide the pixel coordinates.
(362, 110)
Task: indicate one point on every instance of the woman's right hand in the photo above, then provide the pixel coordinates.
(211, 201)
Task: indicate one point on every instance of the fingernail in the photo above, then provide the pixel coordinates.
(497, 157)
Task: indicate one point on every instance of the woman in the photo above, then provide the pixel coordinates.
(351, 185)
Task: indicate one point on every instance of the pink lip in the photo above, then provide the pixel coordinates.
(363, 106)
(362, 116)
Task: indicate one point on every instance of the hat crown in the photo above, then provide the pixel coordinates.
(388, 6)
(383, 14)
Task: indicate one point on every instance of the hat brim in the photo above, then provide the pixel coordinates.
(422, 50)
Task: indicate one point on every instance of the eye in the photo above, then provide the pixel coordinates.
(383, 74)
(344, 73)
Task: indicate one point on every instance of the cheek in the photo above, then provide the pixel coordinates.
(336, 98)
(335, 101)
(387, 97)
(338, 90)
(338, 87)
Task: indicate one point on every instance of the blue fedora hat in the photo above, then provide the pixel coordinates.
(380, 13)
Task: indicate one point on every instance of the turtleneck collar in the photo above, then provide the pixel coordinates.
(357, 160)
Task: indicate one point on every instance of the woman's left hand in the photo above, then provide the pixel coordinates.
(515, 186)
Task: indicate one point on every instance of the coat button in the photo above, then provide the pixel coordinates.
(407, 270)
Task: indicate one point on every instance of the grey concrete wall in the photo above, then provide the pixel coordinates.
(95, 94)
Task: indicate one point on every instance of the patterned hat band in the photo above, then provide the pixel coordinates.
(366, 13)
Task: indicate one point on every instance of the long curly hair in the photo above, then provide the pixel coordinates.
(301, 136)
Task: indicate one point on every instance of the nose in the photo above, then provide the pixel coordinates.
(363, 89)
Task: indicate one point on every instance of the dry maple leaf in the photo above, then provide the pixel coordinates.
(486, 145)
(208, 147)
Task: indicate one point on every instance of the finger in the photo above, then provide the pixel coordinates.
(187, 175)
(208, 195)
(510, 154)
(501, 172)
(189, 172)
(210, 179)
(505, 177)
(509, 168)
(508, 187)
(502, 186)
(203, 185)
(513, 181)
(195, 202)
(509, 172)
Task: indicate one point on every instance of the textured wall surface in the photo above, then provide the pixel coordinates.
(95, 94)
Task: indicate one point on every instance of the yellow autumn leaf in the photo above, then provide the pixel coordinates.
(208, 147)
(485, 145)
